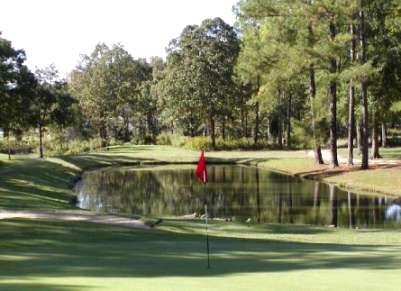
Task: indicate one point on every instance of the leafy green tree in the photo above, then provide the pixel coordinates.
(199, 73)
(51, 104)
(16, 88)
(108, 85)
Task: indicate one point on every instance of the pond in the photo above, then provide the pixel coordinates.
(234, 192)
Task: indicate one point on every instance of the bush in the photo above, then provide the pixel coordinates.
(198, 143)
(17, 147)
(72, 147)
(171, 139)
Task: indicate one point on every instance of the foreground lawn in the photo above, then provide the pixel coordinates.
(48, 255)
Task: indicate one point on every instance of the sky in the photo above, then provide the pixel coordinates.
(60, 31)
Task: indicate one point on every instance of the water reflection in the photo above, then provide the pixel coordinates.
(233, 193)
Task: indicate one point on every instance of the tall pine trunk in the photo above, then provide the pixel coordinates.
(351, 101)
(257, 121)
(364, 92)
(103, 134)
(9, 144)
(359, 136)
(280, 133)
(213, 132)
(384, 135)
(375, 136)
(312, 94)
(40, 141)
(223, 128)
(333, 103)
(289, 121)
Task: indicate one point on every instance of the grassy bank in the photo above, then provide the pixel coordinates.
(27, 182)
(56, 255)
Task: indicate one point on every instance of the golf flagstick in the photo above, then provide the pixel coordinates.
(201, 173)
(207, 239)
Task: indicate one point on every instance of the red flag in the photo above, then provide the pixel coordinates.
(201, 172)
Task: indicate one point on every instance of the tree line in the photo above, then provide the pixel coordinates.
(294, 74)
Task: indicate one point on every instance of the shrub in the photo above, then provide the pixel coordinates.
(17, 147)
(171, 139)
(198, 143)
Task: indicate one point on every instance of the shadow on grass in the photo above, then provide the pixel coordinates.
(39, 287)
(38, 249)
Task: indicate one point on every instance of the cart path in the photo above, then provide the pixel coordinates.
(71, 216)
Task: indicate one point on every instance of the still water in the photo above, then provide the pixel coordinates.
(233, 193)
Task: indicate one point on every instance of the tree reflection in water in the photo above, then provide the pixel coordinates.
(233, 192)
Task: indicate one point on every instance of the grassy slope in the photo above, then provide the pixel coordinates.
(48, 255)
(31, 183)
(27, 182)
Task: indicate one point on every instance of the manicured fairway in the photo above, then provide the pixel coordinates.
(47, 255)
(57, 255)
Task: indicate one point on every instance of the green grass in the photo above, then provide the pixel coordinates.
(55, 255)
(28, 182)
(386, 153)
(48, 255)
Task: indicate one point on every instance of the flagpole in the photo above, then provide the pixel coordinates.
(207, 238)
(201, 173)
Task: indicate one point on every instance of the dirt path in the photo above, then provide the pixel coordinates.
(72, 216)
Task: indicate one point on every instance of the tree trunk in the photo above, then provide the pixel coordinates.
(213, 132)
(312, 95)
(364, 92)
(246, 124)
(384, 135)
(280, 134)
(127, 131)
(223, 128)
(318, 155)
(9, 145)
(256, 133)
(40, 141)
(351, 101)
(242, 121)
(289, 121)
(333, 104)
(375, 137)
(103, 134)
(359, 136)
